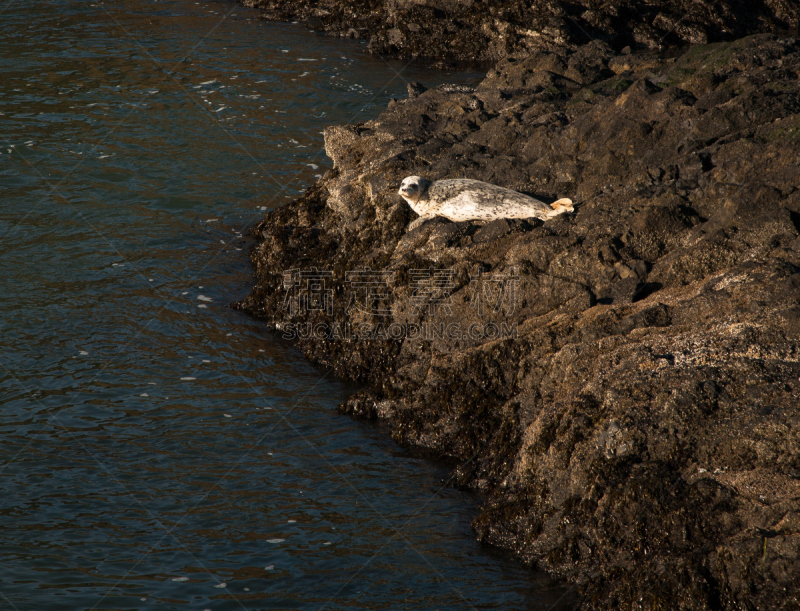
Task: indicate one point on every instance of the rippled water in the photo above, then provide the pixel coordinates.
(160, 450)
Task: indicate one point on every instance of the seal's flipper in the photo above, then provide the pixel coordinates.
(563, 205)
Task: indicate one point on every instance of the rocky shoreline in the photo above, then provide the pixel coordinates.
(624, 382)
(490, 30)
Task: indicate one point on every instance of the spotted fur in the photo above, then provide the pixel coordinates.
(464, 199)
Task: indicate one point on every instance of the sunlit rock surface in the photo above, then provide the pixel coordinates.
(636, 431)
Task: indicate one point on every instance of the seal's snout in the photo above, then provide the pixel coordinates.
(410, 187)
(407, 189)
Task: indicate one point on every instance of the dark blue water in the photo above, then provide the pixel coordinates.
(159, 450)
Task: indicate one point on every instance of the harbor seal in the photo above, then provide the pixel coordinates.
(464, 199)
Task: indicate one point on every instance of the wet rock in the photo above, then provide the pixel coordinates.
(415, 89)
(488, 30)
(623, 382)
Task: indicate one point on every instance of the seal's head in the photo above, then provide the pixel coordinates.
(414, 188)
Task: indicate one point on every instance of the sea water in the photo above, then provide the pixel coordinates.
(159, 450)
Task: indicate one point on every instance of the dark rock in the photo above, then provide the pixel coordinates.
(623, 382)
(482, 30)
(492, 231)
(415, 88)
